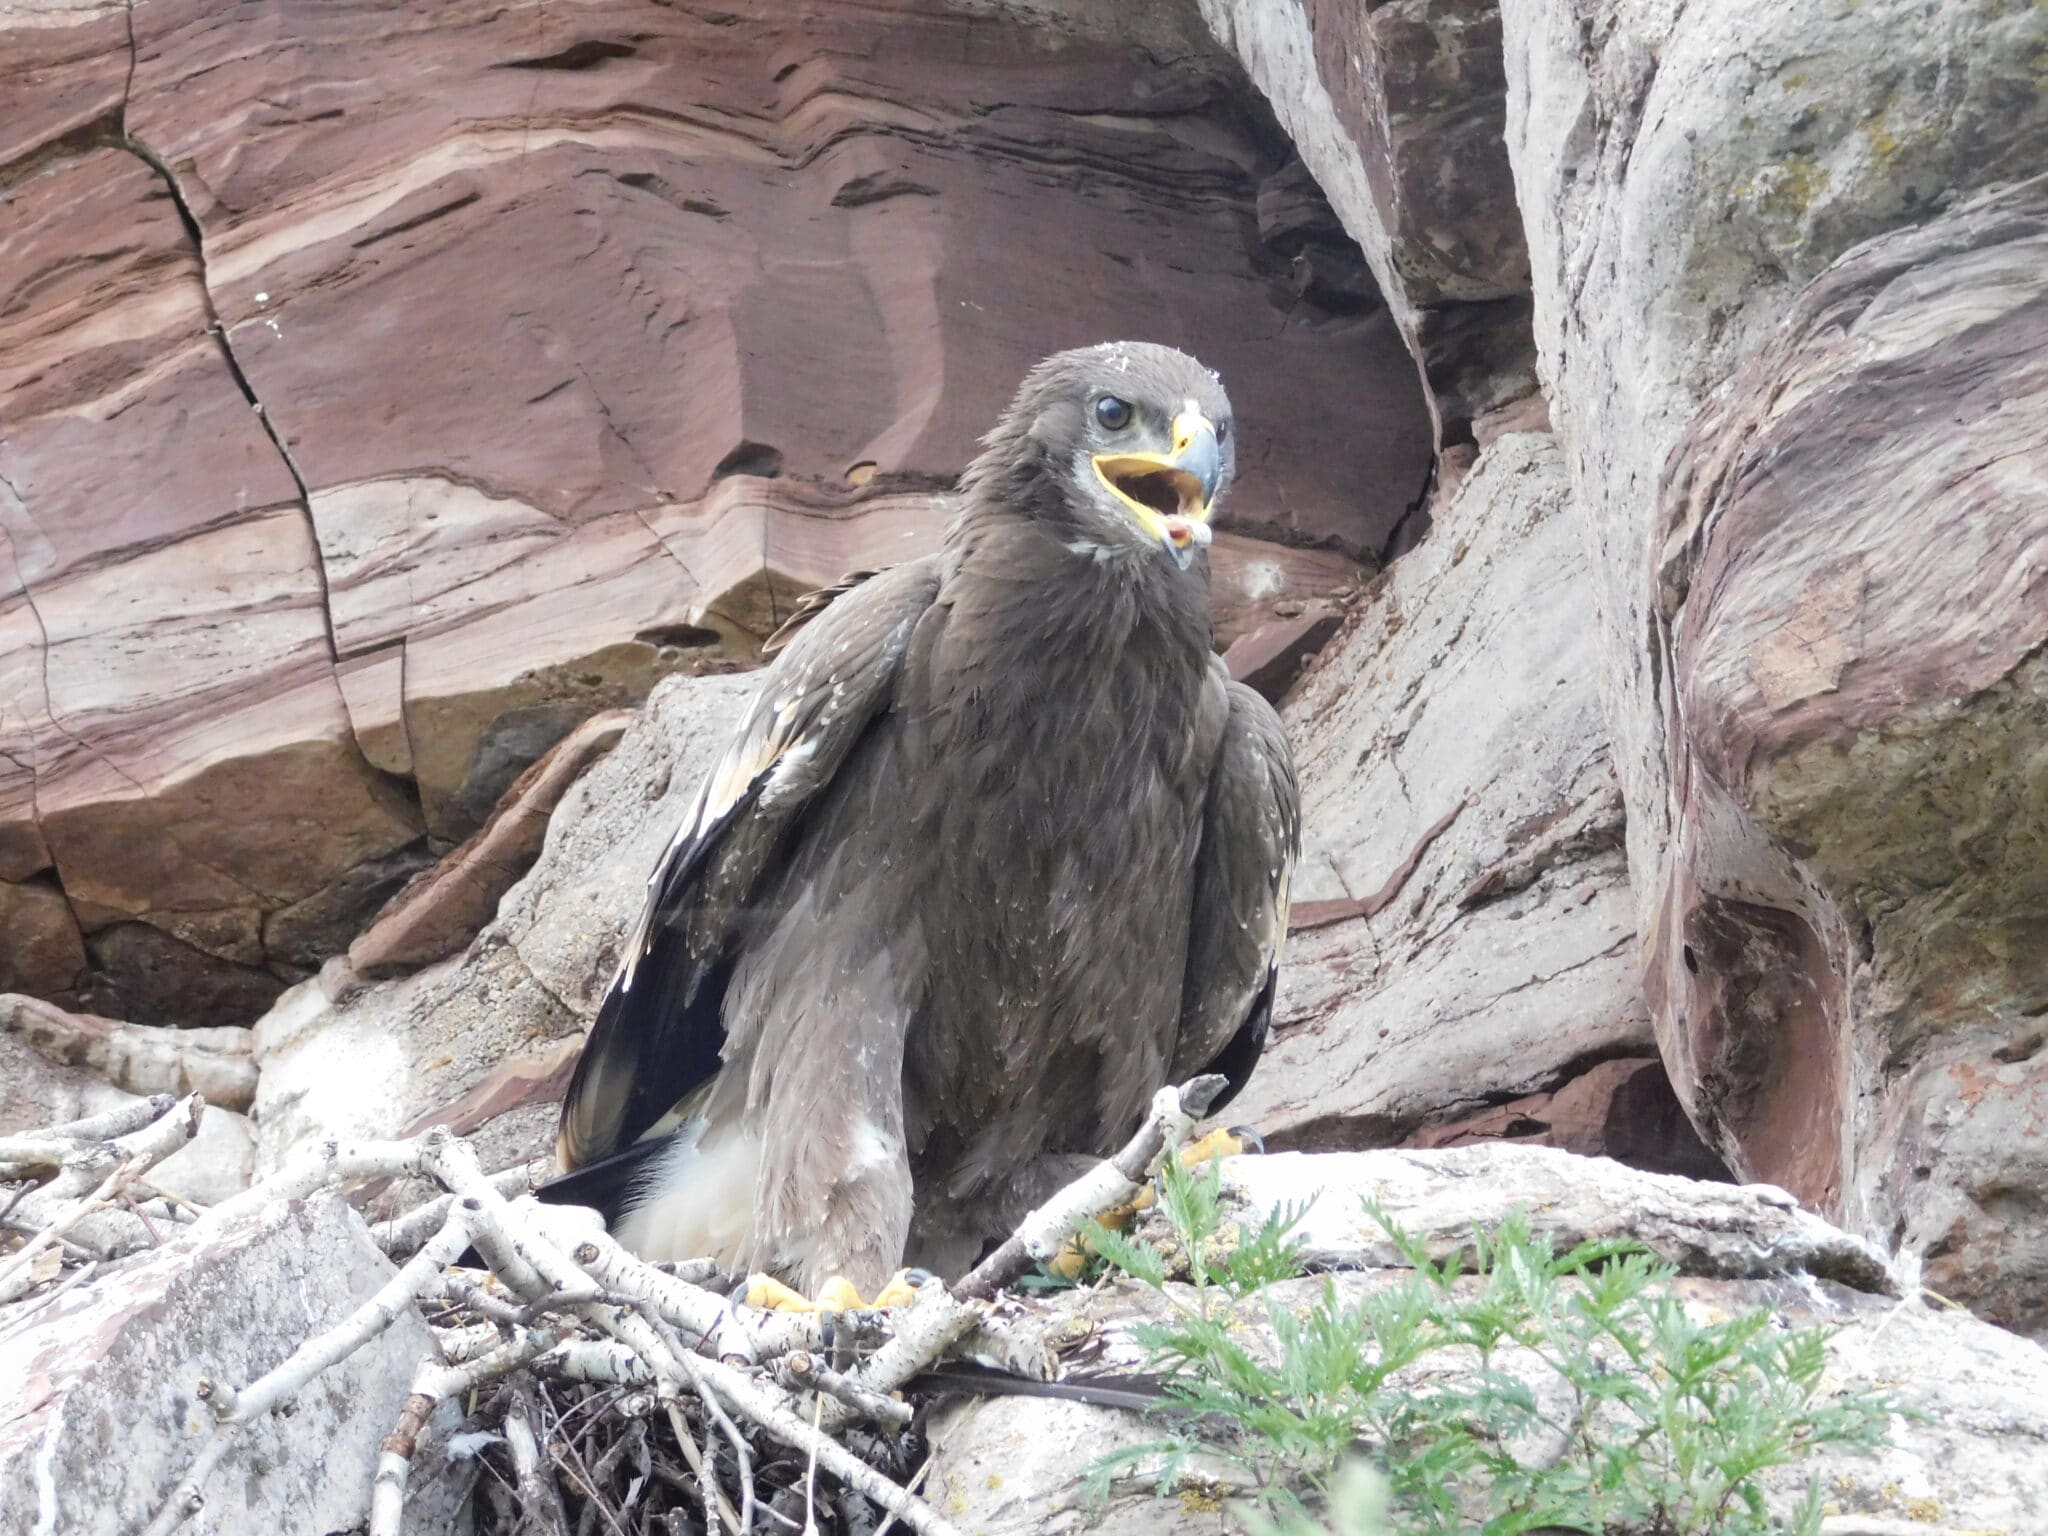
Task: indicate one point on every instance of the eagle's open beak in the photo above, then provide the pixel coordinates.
(1169, 494)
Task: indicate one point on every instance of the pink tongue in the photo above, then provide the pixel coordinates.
(1186, 530)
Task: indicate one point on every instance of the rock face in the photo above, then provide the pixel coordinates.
(98, 1416)
(1854, 913)
(1788, 329)
(1398, 108)
(1810, 471)
(376, 412)
(1974, 1459)
(1462, 938)
(364, 438)
(483, 1040)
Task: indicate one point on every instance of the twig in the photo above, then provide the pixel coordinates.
(705, 1318)
(638, 1358)
(402, 1235)
(916, 1482)
(686, 1363)
(803, 1371)
(811, 1474)
(431, 1385)
(538, 1495)
(717, 1507)
(771, 1411)
(1039, 1235)
(660, 1330)
(137, 1151)
(31, 1146)
(934, 1323)
(329, 1163)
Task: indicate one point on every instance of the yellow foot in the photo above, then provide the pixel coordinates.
(837, 1294)
(1218, 1143)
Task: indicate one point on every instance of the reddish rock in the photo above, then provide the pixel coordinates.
(446, 906)
(537, 1079)
(1623, 1109)
(1460, 935)
(563, 349)
(1399, 109)
(41, 950)
(1848, 965)
(63, 75)
(177, 750)
(1272, 656)
(811, 239)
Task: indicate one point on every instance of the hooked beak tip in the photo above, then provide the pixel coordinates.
(1197, 451)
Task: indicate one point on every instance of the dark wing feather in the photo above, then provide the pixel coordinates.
(659, 1034)
(1251, 836)
(808, 607)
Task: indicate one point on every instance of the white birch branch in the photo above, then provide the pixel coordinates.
(1102, 1188)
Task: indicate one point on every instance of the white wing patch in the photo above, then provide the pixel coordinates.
(696, 1200)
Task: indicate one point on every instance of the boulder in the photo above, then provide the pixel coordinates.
(100, 1415)
(1964, 1455)
(442, 909)
(1461, 935)
(1793, 354)
(45, 952)
(140, 1059)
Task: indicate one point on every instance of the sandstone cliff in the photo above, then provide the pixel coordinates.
(411, 414)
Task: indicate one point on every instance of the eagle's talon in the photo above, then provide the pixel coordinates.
(771, 1295)
(838, 1294)
(1232, 1141)
(901, 1290)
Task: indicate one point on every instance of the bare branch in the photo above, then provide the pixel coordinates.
(56, 1208)
(431, 1385)
(1107, 1185)
(803, 1371)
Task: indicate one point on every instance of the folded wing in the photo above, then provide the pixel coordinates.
(1251, 837)
(659, 1035)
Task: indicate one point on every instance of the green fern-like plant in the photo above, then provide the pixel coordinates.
(1503, 1390)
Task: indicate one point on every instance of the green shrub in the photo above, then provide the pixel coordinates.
(1541, 1391)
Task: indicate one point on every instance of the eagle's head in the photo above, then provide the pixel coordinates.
(1126, 445)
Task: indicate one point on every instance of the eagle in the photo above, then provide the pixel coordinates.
(998, 850)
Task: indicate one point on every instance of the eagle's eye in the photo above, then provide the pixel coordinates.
(1113, 413)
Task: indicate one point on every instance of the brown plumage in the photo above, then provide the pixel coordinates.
(998, 851)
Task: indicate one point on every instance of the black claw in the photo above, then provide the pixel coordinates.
(1251, 1138)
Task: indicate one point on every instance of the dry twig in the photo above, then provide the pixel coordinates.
(565, 1303)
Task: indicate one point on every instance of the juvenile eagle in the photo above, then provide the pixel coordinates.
(998, 851)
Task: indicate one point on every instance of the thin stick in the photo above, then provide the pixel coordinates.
(916, 1482)
(811, 1475)
(1106, 1185)
(138, 1151)
(716, 1506)
(31, 1146)
(431, 1385)
(403, 1235)
(686, 1363)
(804, 1371)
